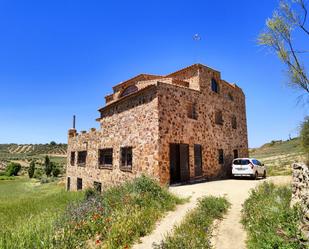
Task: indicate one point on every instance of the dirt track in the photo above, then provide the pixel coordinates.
(228, 233)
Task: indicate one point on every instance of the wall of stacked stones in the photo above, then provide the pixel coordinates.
(300, 189)
(176, 127)
(135, 127)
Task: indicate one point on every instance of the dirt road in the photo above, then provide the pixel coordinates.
(228, 233)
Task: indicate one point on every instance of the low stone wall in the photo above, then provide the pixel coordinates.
(300, 188)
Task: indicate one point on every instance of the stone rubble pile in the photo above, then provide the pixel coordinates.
(300, 189)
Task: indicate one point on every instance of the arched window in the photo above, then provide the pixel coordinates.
(129, 90)
(214, 85)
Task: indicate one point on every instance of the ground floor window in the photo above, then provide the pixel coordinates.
(220, 156)
(97, 186)
(235, 152)
(79, 183)
(68, 183)
(106, 158)
(81, 158)
(126, 157)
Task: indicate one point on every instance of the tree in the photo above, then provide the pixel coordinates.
(288, 22)
(12, 169)
(53, 143)
(56, 171)
(31, 169)
(48, 166)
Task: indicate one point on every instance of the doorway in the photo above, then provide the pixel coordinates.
(179, 163)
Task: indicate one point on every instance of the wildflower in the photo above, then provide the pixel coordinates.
(97, 241)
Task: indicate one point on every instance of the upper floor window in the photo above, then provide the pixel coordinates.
(234, 122)
(126, 157)
(106, 157)
(218, 118)
(230, 97)
(214, 85)
(72, 159)
(129, 90)
(192, 111)
(81, 158)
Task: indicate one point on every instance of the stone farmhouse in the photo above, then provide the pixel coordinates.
(182, 127)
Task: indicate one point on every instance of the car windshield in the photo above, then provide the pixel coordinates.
(241, 162)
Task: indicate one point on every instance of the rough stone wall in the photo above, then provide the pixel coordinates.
(176, 127)
(135, 127)
(300, 189)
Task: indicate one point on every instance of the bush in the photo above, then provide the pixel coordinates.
(269, 219)
(38, 173)
(117, 217)
(55, 171)
(31, 169)
(12, 169)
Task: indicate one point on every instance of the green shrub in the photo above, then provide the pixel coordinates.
(269, 219)
(12, 169)
(195, 230)
(55, 171)
(31, 169)
(117, 218)
(38, 173)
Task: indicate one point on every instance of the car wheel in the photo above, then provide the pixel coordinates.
(264, 174)
(255, 177)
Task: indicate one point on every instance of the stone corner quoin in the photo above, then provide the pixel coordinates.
(185, 126)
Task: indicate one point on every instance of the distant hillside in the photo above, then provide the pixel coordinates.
(25, 153)
(279, 155)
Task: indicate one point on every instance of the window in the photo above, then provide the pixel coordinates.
(72, 160)
(221, 156)
(234, 122)
(106, 158)
(214, 86)
(129, 90)
(97, 186)
(198, 159)
(126, 157)
(81, 158)
(192, 111)
(241, 162)
(79, 183)
(230, 97)
(218, 118)
(68, 183)
(235, 152)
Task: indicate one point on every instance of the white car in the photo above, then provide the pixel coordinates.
(248, 167)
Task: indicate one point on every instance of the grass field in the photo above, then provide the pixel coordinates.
(279, 155)
(28, 211)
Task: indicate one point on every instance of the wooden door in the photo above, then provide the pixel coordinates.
(184, 162)
(198, 159)
(174, 164)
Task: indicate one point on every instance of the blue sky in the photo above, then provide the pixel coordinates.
(59, 58)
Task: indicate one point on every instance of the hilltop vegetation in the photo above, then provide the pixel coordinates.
(25, 153)
(279, 155)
